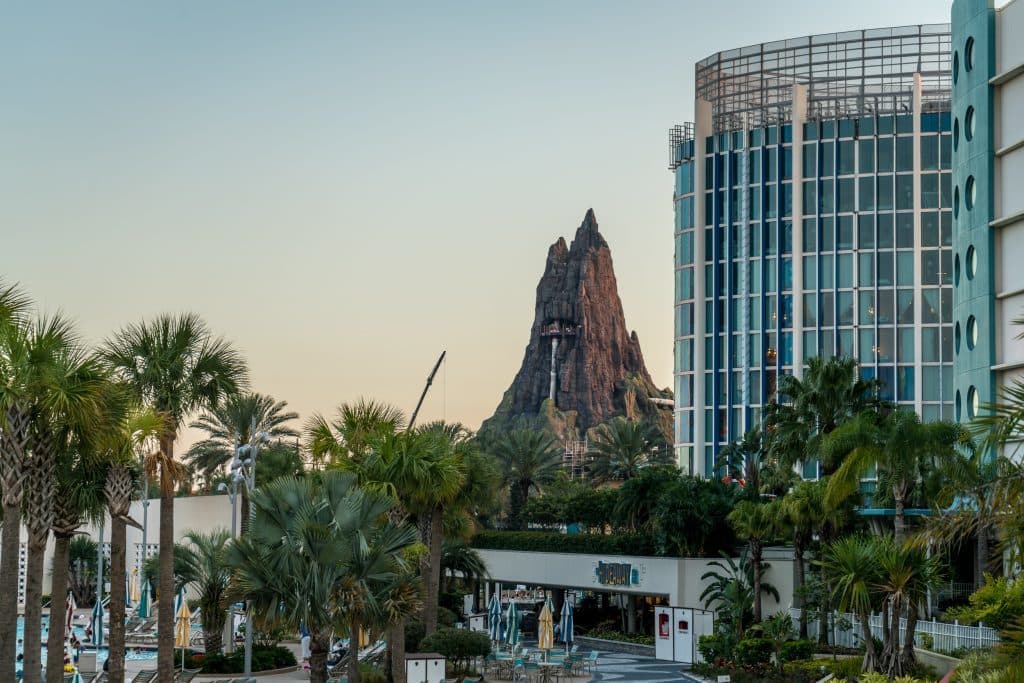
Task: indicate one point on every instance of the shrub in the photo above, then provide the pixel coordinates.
(457, 645)
(997, 603)
(414, 633)
(753, 651)
(446, 617)
(371, 674)
(797, 649)
(714, 648)
(546, 541)
(263, 659)
(612, 634)
(927, 641)
(845, 668)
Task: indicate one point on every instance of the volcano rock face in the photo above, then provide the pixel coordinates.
(600, 369)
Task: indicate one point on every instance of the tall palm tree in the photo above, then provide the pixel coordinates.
(623, 447)
(202, 565)
(897, 445)
(756, 523)
(348, 435)
(175, 366)
(231, 423)
(830, 393)
(235, 422)
(528, 460)
(803, 507)
(322, 553)
(46, 382)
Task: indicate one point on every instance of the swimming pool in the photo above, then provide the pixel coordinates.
(79, 629)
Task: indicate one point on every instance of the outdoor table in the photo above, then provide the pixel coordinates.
(546, 668)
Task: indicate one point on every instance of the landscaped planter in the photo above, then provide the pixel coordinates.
(615, 646)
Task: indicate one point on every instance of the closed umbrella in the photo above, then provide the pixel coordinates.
(143, 611)
(77, 677)
(565, 633)
(183, 625)
(494, 617)
(133, 586)
(545, 629)
(512, 625)
(97, 623)
(69, 617)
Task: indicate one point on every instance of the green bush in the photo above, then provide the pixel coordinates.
(547, 541)
(612, 634)
(797, 649)
(845, 668)
(371, 674)
(414, 633)
(754, 651)
(263, 659)
(457, 645)
(713, 648)
(997, 604)
(446, 617)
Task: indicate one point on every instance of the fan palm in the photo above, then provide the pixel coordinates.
(175, 366)
(851, 565)
(623, 447)
(756, 523)
(830, 393)
(459, 558)
(323, 554)
(203, 567)
(349, 434)
(898, 446)
(731, 591)
(528, 460)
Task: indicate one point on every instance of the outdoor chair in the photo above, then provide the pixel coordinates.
(531, 670)
(590, 663)
(145, 676)
(185, 675)
(576, 662)
(518, 669)
(564, 671)
(342, 679)
(575, 649)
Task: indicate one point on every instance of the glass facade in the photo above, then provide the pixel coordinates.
(827, 237)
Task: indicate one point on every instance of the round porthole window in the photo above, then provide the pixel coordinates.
(970, 193)
(969, 124)
(972, 332)
(956, 67)
(956, 338)
(956, 404)
(972, 262)
(956, 133)
(956, 202)
(956, 270)
(973, 402)
(969, 54)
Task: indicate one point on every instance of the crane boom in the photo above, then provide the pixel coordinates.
(430, 380)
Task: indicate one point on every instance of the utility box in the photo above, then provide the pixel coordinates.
(87, 661)
(477, 622)
(424, 667)
(678, 631)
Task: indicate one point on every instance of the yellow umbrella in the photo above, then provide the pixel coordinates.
(545, 629)
(133, 586)
(183, 626)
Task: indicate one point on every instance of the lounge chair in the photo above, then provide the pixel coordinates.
(145, 676)
(185, 675)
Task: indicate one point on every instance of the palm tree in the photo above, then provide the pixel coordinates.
(235, 422)
(803, 507)
(349, 434)
(46, 383)
(731, 591)
(852, 568)
(830, 393)
(623, 447)
(203, 565)
(459, 558)
(757, 523)
(908, 574)
(528, 459)
(323, 553)
(175, 366)
(897, 445)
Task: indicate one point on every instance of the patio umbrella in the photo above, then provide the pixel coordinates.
(77, 678)
(565, 634)
(97, 623)
(494, 618)
(512, 626)
(70, 615)
(545, 629)
(143, 610)
(133, 586)
(183, 625)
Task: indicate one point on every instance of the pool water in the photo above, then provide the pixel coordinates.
(79, 629)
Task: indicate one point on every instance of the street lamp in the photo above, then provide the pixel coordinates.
(243, 470)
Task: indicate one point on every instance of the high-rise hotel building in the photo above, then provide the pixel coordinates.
(814, 207)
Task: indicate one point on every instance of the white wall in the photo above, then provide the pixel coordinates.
(1009, 50)
(677, 578)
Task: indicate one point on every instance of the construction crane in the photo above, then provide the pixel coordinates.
(430, 380)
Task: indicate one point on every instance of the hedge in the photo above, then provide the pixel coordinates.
(263, 659)
(553, 542)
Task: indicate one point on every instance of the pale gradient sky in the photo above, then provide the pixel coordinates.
(345, 189)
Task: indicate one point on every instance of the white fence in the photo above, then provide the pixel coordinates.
(846, 632)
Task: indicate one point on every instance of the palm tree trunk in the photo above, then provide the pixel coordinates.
(245, 511)
(213, 632)
(34, 569)
(981, 556)
(801, 581)
(58, 606)
(318, 647)
(353, 651)
(165, 617)
(824, 609)
(432, 580)
(396, 639)
(755, 558)
(909, 657)
(9, 542)
(117, 598)
(899, 516)
(870, 657)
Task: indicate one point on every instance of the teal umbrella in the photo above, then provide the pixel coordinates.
(512, 628)
(565, 631)
(494, 617)
(143, 610)
(97, 623)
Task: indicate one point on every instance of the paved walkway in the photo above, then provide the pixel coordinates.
(613, 666)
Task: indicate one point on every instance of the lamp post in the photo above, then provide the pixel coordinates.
(243, 470)
(229, 630)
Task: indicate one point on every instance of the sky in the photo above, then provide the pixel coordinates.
(345, 189)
